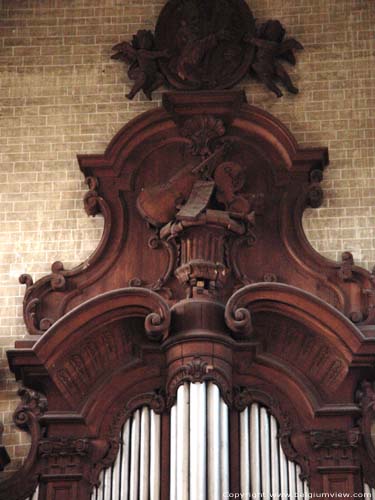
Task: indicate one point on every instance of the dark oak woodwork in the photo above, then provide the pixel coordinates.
(208, 44)
(212, 279)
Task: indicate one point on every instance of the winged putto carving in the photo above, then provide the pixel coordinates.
(142, 58)
(210, 44)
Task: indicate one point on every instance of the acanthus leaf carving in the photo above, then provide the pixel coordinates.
(202, 131)
(32, 407)
(198, 370)
(92, 201)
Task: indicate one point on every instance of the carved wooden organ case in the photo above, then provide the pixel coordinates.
(204, 348)
(203, 317)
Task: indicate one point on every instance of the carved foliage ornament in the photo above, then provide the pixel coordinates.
(32, 407)
(55, 447)
(335, 438)
(208, 45)
(198, 370)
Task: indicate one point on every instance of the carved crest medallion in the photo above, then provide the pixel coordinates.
(208, 40)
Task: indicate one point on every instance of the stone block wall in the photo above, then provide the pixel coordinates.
(61, 94)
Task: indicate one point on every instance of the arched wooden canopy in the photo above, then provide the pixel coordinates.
(268, 319)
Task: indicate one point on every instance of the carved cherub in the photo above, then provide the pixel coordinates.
(142, 57)
(268, 40)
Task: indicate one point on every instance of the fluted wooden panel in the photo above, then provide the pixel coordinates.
(135, 475)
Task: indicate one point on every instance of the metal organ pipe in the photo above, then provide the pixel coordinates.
(144, 469)
(269, 469)
(200, 450)
(199, 453)
(35, 495)
(173, 453)
(197, 441)
(275, 463)
(135, 475)
(369, 492)
(134, 457)
(224, 446)
(155, 456)
(245, 450)
(213, 441)
(182, 444)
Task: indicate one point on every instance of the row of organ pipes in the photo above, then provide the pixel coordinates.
(199, 453)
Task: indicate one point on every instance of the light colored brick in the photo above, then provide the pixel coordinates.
(55, 101)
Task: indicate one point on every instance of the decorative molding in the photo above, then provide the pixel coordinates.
(64, 446)
(305, 352)
(92, 359)
(335, 438)
(336, 447)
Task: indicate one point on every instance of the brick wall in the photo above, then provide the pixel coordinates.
(60, 94)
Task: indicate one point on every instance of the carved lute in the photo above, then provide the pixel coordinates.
(159, 204)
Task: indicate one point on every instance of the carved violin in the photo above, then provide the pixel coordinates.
(159, 204)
